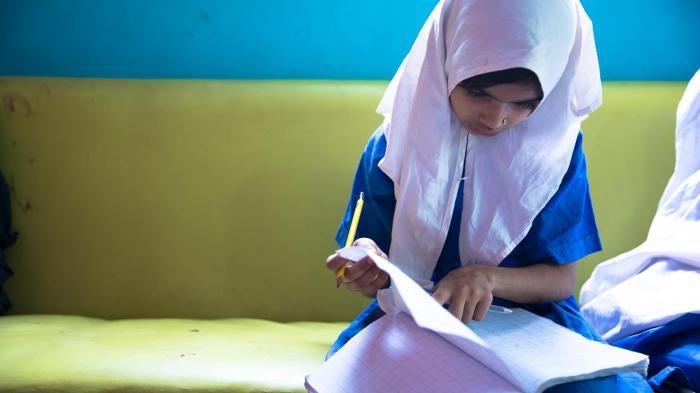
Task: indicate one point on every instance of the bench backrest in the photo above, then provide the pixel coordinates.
(161, 198)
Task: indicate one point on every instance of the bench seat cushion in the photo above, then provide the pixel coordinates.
(42, 353)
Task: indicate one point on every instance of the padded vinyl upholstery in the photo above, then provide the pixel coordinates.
(59, 353)
(192, 214)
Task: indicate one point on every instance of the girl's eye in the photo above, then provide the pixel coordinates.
(476, 93)
(531, 105)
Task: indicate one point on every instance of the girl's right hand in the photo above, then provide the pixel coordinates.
(362, 276)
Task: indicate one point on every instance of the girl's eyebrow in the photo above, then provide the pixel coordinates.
(530, 101)
(525, 101)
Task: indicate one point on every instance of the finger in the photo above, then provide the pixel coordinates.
(441, 296)
(468, 310)
(382, 280)
(378, 283)
(368, 279)
(364, 283)
(366, 243)
(358, 269)
(482, 308)
(370, 245)
(335, 262)
(455, 304)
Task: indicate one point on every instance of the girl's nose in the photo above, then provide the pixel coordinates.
(493, 115)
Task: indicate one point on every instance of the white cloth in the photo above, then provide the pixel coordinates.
(509, 177)
(659, 280)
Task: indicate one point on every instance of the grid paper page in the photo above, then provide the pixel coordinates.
(393, 354)
(526, 350)
(542, 354)
(428, 314)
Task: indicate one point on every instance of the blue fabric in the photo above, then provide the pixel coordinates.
(563, 232)
(674, 352)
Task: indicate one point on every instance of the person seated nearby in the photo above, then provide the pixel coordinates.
(648, 299)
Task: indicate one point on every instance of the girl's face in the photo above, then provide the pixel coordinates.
(489, 111)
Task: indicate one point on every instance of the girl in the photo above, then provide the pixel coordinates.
(476, 180)
(648, 299)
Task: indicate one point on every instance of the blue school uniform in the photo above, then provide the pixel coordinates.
(674, 352)
(563, 232)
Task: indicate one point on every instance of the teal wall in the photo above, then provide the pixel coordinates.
(310, 39)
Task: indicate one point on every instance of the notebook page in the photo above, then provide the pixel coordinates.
(428, 314)
(393, 354)
(543, 354)
(577, 358)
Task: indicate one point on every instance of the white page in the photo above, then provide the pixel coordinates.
(393, 354)
(494, 341)
(428, 314)
(543, 354)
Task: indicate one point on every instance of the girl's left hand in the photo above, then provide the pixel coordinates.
(468, 291)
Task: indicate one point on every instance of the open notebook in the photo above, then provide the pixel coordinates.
(419, 346)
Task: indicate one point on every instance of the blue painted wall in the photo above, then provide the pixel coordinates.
(310, 39)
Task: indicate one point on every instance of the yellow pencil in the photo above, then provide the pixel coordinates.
(351, 234)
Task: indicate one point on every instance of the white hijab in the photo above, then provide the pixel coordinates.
(659, 280)
(509, 177)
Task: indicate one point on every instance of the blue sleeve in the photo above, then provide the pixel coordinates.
(378, 211)
(565, 230)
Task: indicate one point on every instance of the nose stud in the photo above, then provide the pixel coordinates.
(503, 122)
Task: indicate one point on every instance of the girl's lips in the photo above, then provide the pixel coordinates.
(481, 130)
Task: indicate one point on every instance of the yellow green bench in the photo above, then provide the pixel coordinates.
(173, 232)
